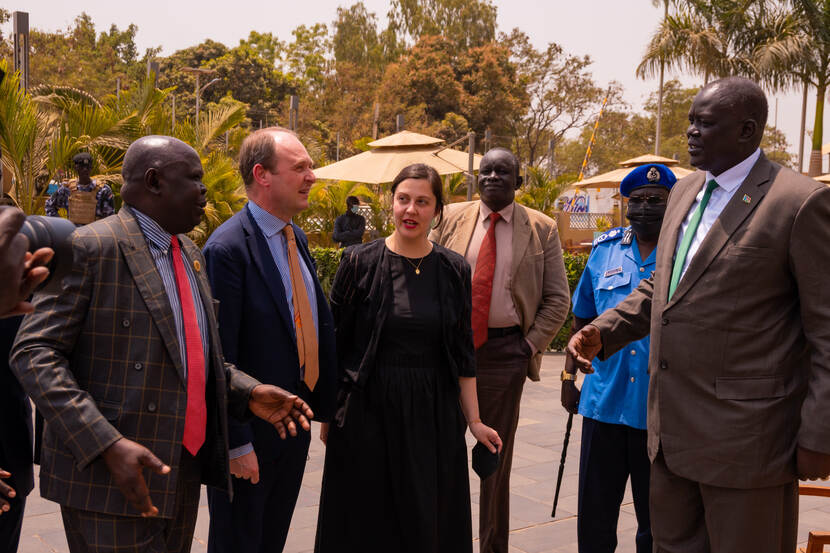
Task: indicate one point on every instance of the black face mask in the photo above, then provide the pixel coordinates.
(646, 219)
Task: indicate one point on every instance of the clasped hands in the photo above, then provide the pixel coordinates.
(125, 459)
(586, 344)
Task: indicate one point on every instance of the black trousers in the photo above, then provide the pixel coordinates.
(610, 454)
(11, 523)
(258, 519)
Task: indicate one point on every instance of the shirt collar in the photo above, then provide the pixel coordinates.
(269, 224)
(733, 177)
(506, 213)
(156, 236)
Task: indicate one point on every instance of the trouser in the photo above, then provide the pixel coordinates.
(258, 518)
(91, 532)
(610, 454)
(691, 517)
(501, 369)
(11, 523)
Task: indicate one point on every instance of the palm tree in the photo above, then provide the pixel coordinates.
(541, 190)
(225, 194)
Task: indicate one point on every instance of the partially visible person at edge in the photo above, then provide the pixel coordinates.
(520, 300)
(126, 367)
(84, 199)
(395, 476)
(20, 271)
(275, 324)
(738, 312)
(613, 398)
(349, 227)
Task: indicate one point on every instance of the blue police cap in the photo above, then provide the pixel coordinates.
(653, 174)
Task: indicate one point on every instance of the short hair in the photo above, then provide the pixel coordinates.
(428, 173)
(258, 148)
(82, 158)
(513, 156)
(352, 200)
(744, 94)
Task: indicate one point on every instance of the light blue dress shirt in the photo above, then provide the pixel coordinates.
(617, 390)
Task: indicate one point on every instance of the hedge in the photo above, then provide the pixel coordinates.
(328, 259)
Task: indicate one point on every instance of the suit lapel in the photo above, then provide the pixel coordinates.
(264, 262)
(521, 236)
(726, 224)
(148, 281)
(464, 229)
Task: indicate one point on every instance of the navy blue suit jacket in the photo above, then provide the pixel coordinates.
(256, 327)
(15, 417)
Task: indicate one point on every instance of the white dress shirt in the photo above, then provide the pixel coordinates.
(728, 182)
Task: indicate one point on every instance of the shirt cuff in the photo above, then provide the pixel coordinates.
(238, 452)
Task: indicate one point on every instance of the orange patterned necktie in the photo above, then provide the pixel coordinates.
(303, 318)
(195, 418)
(483, 282)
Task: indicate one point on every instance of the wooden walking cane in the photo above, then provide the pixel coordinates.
(562, 462)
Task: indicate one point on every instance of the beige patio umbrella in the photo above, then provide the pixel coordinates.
(612, 179)
(387, 156)
(824, 178)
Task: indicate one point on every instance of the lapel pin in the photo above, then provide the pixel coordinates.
(196, 265)
(746, 199)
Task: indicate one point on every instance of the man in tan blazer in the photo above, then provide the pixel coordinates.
(126, 366)
(520, 300)
(739, 311)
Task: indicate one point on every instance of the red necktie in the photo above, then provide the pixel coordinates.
(483, 282)
(195, 418)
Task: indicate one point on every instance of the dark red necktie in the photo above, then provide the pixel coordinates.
(483, 282)
(195, 417)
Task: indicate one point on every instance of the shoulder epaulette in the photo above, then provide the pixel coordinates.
(613, 234)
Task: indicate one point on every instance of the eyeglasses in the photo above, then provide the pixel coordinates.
(650, 200)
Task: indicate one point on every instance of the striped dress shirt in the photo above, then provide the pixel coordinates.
(159, 242)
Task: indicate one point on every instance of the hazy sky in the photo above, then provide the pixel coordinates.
(613, 32)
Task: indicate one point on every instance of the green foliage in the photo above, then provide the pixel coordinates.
(541, 190)
(225, 195)
(468, 23)
(327, 200)
(327, 261)
(574, 266)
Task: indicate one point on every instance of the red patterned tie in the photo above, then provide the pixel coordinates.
(483, 282)
(195, 418)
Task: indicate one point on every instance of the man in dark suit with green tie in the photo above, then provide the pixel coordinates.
(738, 312)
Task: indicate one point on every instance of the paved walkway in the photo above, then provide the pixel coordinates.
(536, 460)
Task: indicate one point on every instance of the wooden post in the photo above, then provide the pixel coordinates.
(338, 147)
(293, 112)
(551, 157)
(399, 123)
(20, 30)
(471, 179)
(488, 140)
(375, 122)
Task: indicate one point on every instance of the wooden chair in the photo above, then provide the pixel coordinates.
(816, 540)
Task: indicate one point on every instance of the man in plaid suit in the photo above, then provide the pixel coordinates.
(126, 366)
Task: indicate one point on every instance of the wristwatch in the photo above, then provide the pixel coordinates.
(567, 376)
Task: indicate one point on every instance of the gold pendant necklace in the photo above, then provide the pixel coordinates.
(416, 267)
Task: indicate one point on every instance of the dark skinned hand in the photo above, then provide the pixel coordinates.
(125, 460)
(584, 346)
(283, 410)
(812, 465)
(6, 492)
(570, 393)
(23, 270)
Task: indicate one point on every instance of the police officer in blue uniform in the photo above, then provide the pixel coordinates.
(613, 398)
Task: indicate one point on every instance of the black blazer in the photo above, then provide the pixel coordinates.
(361, 299)
(256, 327)
(15, 417)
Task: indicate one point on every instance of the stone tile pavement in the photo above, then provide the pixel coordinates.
(536, 460)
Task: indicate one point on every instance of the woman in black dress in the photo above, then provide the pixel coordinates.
(395, 477)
